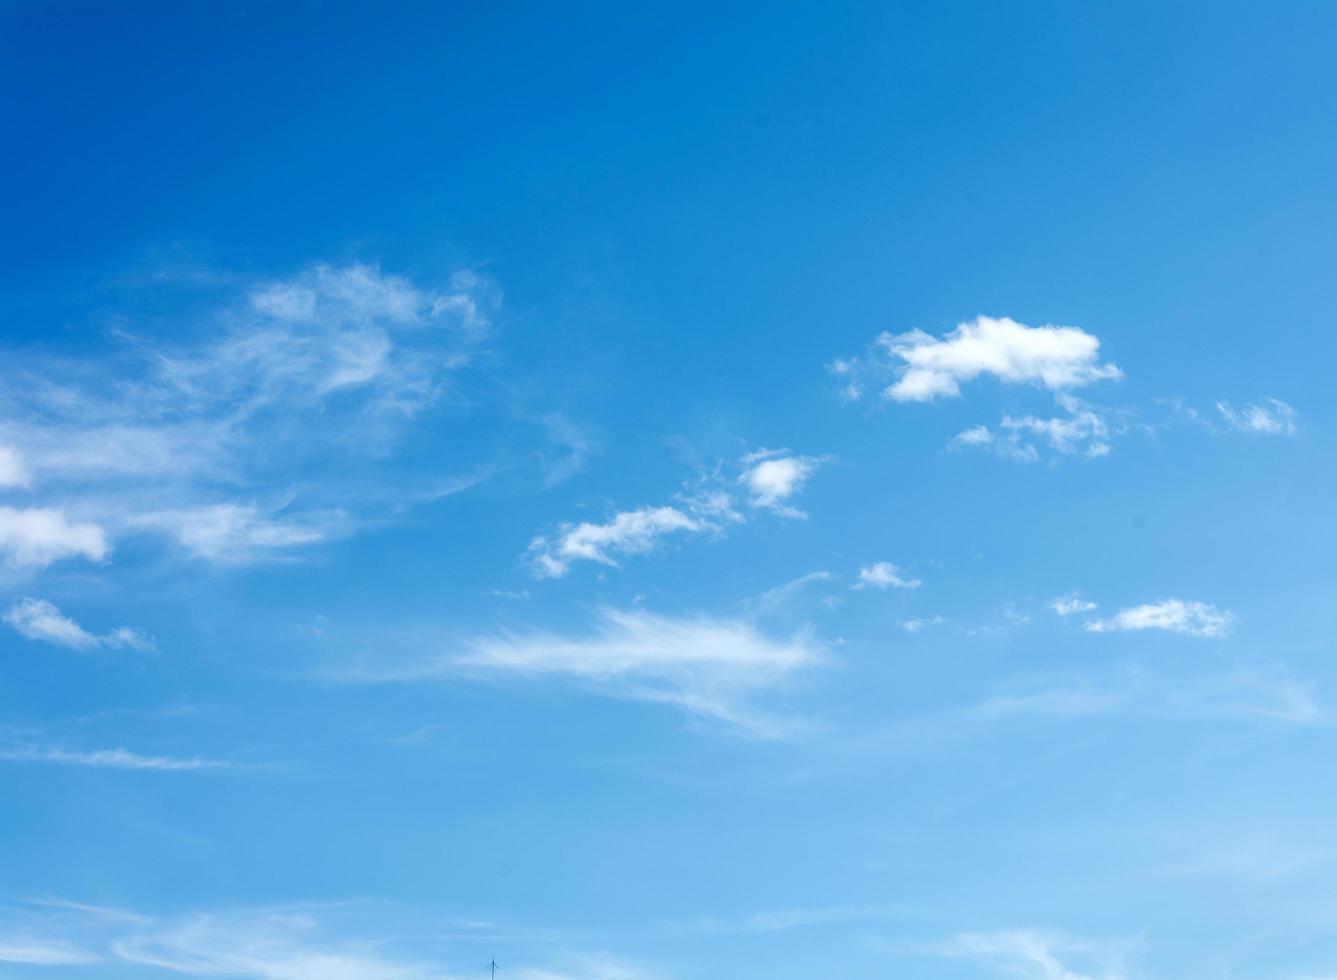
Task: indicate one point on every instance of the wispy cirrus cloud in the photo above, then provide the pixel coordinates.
(1258, 695)
(351, 940)
(42, 621)
(110, 759)
(1269, 417)
(710, 667)
(254, 431)
(1038, 955)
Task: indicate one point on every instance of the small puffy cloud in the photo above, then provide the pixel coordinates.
(1270, 417)
(630, 532)
(885, 575)
(773, 477)
(918, 624)
(34, 538)
(1171, 615)
(41, 621)
(1053, 357)
(1070, 604)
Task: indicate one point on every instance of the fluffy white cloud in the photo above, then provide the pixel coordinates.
(927, 367)
(885, 575)
(709, 667)
(37, 619)
(773, 477)
(1067, 605)
(1171, 615)
(35, 537)
(1270, 417)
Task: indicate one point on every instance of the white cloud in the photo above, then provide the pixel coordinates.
(630, 532)
(1172, 615)
(1035, 955)
(35, 537)
(40, 620)
(43, 952)
(242, 532)
(705, 505)
(707, 666)
(885, 575)
(110, 759)
(917, 624)
(1067, 605)
(1083, 430)
(773, 477)
(1270, 417)
(926, 367)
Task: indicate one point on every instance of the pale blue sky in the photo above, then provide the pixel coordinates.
(653, 494)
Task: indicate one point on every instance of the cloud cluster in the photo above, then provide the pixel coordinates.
(1082, 430)
(40, 620)
(771, 478)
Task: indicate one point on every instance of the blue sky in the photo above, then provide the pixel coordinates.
(764, 491)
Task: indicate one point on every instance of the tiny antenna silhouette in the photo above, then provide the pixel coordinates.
(492, 967)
